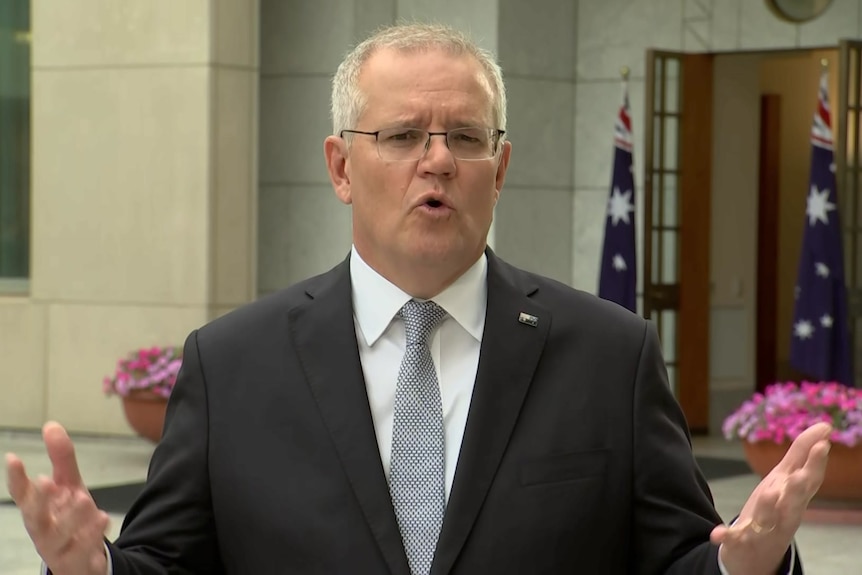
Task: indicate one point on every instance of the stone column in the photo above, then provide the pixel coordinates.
(144, 189)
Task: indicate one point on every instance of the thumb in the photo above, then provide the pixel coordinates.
(718, 534)
(62, 455)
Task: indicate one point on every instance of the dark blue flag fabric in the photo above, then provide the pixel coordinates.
(820, 343)
(618, 278)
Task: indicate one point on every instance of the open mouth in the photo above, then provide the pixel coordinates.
(433, 203)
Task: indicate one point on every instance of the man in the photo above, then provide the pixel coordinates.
(424, 406)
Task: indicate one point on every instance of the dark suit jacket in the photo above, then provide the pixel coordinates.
(575, 458)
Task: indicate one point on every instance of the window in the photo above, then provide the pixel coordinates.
(14, 143)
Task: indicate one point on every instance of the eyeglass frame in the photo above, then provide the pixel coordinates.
(496, 133)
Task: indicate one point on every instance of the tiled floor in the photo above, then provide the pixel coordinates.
(826, 549)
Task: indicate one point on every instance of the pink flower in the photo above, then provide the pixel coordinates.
(154, 369)
(784, 410)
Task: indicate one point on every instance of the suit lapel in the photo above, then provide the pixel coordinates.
(324, 337)
(509, 354)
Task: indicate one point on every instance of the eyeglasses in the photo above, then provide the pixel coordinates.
(410, 144)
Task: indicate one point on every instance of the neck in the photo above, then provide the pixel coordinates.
(420, 279)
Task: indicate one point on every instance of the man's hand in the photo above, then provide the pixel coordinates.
(757, 542)
(60, 515)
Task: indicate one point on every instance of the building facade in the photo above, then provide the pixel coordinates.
(176, 158)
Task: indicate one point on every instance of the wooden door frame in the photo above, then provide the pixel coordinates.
(766, 306)
(849, 183)
(689, 295)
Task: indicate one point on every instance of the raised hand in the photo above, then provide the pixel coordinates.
(757, 542)
(61, 517)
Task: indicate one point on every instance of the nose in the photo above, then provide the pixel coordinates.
(437, 159)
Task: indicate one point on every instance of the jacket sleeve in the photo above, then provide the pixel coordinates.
(673, 511)
(170, 529)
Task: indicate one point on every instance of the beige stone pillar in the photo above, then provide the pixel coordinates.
(144, 193)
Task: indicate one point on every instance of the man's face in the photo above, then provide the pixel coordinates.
(435, 210)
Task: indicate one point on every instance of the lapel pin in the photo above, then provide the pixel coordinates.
(528, 319)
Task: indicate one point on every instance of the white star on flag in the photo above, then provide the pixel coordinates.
(819, 206)
(826, 321)
(620, 206)
(803, 329)
(822, 269)
(832, 167)
(620, 263)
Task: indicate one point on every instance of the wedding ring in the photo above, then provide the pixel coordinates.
(758, 528)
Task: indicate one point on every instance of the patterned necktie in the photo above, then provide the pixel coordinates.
(416, 473)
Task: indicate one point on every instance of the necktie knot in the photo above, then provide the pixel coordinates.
(420, 319)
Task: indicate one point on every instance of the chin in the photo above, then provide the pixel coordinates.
(440, 250)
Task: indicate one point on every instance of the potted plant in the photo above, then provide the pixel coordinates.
(768, 422)
(144, 380)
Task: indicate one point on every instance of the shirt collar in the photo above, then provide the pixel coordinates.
(376, 300)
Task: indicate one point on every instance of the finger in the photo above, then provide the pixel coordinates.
(801, 486)
(60, 534)
(83, 510)
(818, 457)
(80, 526)
(72, 518)
(104, 524)
(93, 522)
(99, 529)
(40, 511)
(61, 451)
(19, 484)
(799, 450)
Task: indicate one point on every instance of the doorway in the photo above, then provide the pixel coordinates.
(719, 281)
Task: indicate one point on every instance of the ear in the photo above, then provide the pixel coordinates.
(338, 166)
(505, 153)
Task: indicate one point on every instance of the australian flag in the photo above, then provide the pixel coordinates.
(820, 345)
(618, 279)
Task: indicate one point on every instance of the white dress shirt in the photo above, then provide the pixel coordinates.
(454, 350)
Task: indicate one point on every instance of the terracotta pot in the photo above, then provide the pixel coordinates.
(145, 412)
(843, 480)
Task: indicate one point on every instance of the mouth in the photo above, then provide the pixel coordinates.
(434, 201)
(434, 206)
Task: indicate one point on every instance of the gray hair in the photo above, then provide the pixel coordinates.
(348, 101)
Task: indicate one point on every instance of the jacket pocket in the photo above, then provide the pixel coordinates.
(565, 467)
